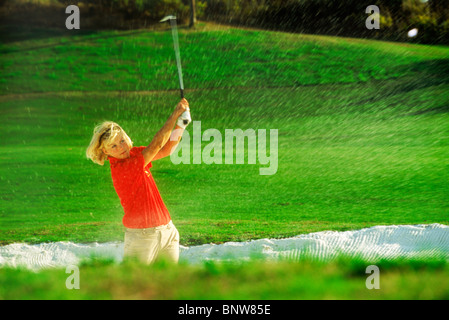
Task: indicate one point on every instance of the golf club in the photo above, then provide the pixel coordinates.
(174, 30)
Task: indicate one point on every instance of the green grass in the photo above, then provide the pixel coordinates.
(340, 279)
(362, 126)
(338, 171)
(140, 60)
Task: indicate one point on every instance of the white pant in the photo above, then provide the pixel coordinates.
(150, 243)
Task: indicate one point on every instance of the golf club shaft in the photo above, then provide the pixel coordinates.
(174, 30)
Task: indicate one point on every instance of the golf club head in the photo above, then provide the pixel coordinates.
(168, 18)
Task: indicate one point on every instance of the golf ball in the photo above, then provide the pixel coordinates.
(412, 33)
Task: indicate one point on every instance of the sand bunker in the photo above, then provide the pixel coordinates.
(380, 242)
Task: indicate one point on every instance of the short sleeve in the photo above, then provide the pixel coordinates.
(139, 150)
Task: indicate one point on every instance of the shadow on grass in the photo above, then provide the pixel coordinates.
(13, 33)
(425, 74)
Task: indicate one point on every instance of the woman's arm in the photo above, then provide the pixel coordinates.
(163, 135)
(170, 146)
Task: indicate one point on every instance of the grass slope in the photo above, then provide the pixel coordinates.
(362, 126)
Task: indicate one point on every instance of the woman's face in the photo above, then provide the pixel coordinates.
(118, 148)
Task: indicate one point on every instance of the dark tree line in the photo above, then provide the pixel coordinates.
(333, 17)
(338, 17)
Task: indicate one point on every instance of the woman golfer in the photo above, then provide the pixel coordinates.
(149, 231)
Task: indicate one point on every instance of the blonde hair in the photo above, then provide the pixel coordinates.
(104, 134)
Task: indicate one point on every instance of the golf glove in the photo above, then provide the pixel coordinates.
(184, 119)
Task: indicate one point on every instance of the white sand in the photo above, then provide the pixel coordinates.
(380, 242)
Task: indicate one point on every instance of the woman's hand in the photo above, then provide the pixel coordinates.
(182, 106)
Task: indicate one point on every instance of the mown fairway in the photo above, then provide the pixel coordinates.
(362, 126)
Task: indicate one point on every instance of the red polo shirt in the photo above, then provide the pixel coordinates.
(137, 191)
